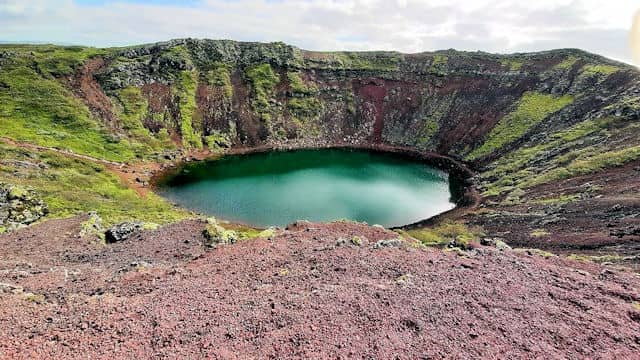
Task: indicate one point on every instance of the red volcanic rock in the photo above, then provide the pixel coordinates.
(304, 294)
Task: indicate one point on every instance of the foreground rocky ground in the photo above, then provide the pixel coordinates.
(311, 291)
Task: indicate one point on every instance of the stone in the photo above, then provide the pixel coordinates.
(387, 243)
(215, 235)
(122, 231)
(19, 206)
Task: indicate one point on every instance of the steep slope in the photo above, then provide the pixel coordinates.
(553, 136)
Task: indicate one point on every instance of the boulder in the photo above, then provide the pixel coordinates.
(19, 206)
(215, 235)
(122, 231)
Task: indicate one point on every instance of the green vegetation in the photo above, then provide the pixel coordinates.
(512, 64)
(539, 233)
(567, 63)
(307, 107)
(132, 115)
(439, 59)
(299, 87)
(36, 107)
(186, 88)
(560, 200)
(263, 81)
(216, 234)
(220, 76)
(579, 150)
(217, 141)
(531, 110)
(599, 70)
(588, 164)
(373, 61)
(69, 186)
(304, 107)
(444, 233)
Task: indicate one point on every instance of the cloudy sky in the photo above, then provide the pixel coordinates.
(600, 26)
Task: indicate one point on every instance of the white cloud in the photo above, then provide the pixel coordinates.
(404, 25)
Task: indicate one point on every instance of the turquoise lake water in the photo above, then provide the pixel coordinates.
(277, 188)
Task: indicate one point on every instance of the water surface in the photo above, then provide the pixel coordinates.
(278, 188)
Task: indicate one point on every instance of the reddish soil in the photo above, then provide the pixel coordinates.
(89, 90)
(160, 294)
(603, 219)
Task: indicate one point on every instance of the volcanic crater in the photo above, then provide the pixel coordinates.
(539, 258)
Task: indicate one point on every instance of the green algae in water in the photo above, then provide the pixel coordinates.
(278, 188)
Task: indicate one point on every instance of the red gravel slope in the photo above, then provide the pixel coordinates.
(300, 295)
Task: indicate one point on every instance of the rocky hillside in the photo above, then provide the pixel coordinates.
(553, 137)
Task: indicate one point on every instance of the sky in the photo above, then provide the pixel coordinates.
(501, 26)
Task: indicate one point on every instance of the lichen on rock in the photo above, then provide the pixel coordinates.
(19, 206)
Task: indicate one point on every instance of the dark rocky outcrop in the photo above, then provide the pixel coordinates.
(122, 231)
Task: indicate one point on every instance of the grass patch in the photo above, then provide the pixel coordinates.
(587, 165)
(70, 186)
(531, 109)
(36, 107)
(373, 61)
(186, 89)
(567, 63)
(263, 81)
(132, 115)
(299, 87)
(599, 70)
(443, 234)
(512, 64)
(536, 233)
(220, 76)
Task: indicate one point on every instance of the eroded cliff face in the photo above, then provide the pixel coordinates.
(467, 105)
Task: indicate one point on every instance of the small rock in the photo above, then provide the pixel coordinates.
(502, 246)
(387, 243)
(487, 242)
(122, 231)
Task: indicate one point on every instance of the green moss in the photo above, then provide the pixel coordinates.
(299, 87)
(539, 233)
(133, 112)
(263, 81)
(220, 76)
(443, 234)
(307, 107)
(186, 89)
(217, 141)
(567, 63)
(430, 128)
(361, 61)
(439, 59)
(587, 165)
(71, 186)
(599, 70)
(34, 298)
(560, 200)
(531, 110)
(512, 64)
(512, 169)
